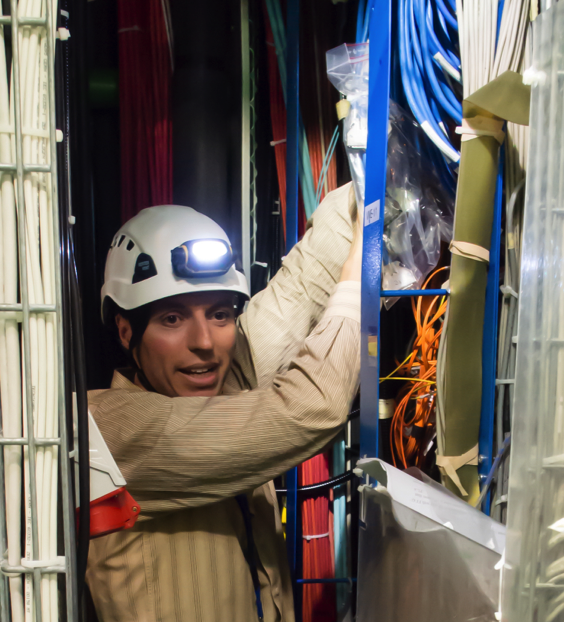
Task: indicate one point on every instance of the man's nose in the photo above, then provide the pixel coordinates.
(200, 337)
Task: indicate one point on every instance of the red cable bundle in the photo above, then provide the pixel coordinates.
(319, 599)
(145, 71)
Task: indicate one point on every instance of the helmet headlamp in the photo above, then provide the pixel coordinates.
(201, 258)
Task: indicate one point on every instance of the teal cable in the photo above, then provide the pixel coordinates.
(340, 529)
(304, 172)
(326, 163)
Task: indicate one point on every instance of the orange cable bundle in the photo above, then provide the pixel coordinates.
(413, 422)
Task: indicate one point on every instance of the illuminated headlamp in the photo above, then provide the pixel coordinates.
(201, 258)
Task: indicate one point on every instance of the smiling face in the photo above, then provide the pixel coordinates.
(188, 344)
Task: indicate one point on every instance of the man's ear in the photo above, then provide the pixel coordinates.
(124, 330)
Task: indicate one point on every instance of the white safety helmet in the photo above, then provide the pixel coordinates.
(164, 251)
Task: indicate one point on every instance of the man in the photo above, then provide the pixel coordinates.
(215, 406)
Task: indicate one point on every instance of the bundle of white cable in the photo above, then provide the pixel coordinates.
(10, 378)
(483, 60)
(41, 257)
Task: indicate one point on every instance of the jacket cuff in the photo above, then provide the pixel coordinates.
(345, 301)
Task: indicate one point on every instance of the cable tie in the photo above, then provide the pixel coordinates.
(273, 143)
(500, 381)
(26, 131)
(56, 563)
(59, 136)
(478, 126)
(343, 107)
(507, 291)
(470, 251)
(63, 34)
(129, 29)
(533, 77)
(64, 13)
(321, 535)
(449, 465)
(4, 565)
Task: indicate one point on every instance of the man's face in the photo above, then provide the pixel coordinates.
(188, 344)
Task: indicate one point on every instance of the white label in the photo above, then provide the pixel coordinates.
(372, 213)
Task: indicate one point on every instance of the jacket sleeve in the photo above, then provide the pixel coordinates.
(190, 451)
(279, 318)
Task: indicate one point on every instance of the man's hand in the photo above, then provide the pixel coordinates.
(352, 269)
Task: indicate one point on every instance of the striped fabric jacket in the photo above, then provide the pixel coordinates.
(289, 390)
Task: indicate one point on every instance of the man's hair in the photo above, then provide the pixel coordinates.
(138, 319)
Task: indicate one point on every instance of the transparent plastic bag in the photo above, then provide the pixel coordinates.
(347, 69)
(418, 208)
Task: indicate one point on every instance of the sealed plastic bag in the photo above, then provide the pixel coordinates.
(347, 69)
(418, 208)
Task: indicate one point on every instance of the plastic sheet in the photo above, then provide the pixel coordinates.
(415, 570)
(533, 577)
(418, 209)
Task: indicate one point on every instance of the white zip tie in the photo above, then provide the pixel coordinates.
(321, 535)
(500, 381)
(56, 563)
(506, 290)
(273, 143)
(63, 34)
(26, 131)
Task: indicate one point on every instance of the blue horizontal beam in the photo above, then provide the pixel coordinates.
(404, 293)
(326, 580)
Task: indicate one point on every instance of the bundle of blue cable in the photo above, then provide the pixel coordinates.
(429, 63)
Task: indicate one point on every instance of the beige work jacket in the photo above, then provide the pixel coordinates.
(289, 390)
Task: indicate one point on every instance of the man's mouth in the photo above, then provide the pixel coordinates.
(202, 375)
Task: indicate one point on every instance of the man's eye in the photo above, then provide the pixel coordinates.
(221, 316)
(171, 319)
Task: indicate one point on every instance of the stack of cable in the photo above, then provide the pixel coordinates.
(145, 68)
(413, 424)
(430, 75)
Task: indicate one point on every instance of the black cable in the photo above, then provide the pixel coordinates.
(73, 339)
(354, 414)
(322, 486)
(83, 540)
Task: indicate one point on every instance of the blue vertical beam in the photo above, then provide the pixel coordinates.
(292, 120)
(489, 343)
(292, 162)
(376, 158)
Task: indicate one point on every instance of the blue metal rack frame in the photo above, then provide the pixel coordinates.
(376, 160)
